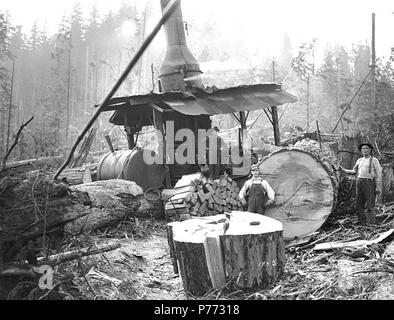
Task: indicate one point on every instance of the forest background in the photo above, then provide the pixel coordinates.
(59, 78)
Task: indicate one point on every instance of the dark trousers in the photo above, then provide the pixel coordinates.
(257, 197)
(365, 201)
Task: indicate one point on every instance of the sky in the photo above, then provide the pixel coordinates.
(258, 22)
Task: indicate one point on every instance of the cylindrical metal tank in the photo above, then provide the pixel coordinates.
(130, 165)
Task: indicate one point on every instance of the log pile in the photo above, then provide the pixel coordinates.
(241, 248)
(195, 195)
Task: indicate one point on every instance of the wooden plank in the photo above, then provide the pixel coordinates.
(172, 248)
(182, 195)
(184, 189)
(215, 259)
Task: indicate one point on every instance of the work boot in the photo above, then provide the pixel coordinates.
(370, 217)
(362, 218)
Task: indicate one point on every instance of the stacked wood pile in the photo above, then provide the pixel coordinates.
(241, 248)
(195, 195)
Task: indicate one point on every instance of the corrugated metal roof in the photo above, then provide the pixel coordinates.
(211, 101)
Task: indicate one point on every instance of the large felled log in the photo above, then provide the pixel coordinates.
(78, 175)
(244, 247)
(305, 190)
(111, 201)
(36, 206)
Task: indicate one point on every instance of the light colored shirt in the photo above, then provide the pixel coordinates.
(362, 169)
(245, 189)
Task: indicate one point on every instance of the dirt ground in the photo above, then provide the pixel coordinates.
(140, 269)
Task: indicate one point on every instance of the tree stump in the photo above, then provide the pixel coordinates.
(241, 246)
(254, 250)
(198, 251)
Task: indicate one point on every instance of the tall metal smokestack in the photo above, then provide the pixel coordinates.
(179, 63)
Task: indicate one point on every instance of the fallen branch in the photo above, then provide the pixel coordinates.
(76, 254)
(15, 142)
(309, 245)
(359, 243)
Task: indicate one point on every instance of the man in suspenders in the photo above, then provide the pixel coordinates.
(257, 191)
(368, 184)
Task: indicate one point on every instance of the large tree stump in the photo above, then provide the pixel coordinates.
(254, 250)
(198, 251)
(243, 247)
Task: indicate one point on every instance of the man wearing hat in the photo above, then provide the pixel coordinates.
(256, 192)
(368, 183)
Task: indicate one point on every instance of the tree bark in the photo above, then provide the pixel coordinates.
(35, 207)
(75, 176)
(254, 250)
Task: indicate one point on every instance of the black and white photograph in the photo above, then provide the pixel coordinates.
(197, 154)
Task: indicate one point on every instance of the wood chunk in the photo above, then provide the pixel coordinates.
(201, 195)
(188, 180)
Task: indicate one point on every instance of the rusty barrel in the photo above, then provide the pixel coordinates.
(130, 165)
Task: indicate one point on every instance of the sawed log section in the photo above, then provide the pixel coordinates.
(305, 190)
(243, 248)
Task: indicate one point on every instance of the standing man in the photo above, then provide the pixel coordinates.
(368, 184)
(256, 192)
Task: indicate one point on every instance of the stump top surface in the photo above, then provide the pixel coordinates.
(196, 230)
(243, 223)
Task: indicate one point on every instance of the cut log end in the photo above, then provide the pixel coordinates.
(305, 191)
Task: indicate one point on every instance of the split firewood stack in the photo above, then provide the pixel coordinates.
(195, 195)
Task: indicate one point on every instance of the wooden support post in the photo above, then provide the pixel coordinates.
(373, 80)
(275, 124)
(111, 147)
(242, 121)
